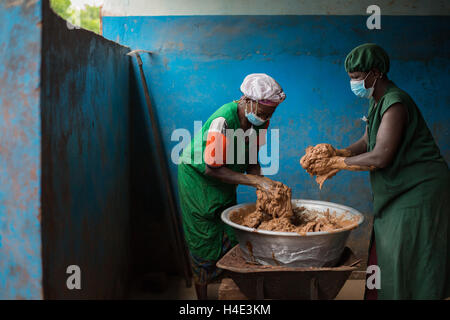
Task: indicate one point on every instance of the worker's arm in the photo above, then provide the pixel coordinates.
(356, 148)
(227, 175)
(215, 161)
(254, 169)
(389, 137)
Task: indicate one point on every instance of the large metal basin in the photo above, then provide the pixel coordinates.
(315, 249)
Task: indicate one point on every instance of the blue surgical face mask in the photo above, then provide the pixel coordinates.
(252, 117)
(359, 89)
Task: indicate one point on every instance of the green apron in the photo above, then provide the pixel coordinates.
(202, 198)
(411, 208)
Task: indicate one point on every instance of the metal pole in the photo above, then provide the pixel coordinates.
(179, 243)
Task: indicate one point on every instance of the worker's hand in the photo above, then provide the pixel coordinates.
(266, 184)
(328, 151)
(333, 152)
(323, 166)
(337, 162)
(325, 150)
(343, 153)
(320, 153)
(326, 165)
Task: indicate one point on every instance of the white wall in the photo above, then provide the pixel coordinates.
(272, 7)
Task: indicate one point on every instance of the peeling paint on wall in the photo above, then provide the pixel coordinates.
(20, 245)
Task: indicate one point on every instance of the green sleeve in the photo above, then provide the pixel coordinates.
(389, 100)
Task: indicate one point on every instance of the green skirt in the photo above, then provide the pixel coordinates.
(202, 201)
(412, 236)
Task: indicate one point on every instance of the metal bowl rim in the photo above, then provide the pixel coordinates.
(226, 219)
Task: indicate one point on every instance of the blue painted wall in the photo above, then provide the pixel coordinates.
(199, 63)
(20, 172)
(85, 161)
(76, 149)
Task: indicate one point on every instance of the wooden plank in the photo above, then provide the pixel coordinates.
(228, 290)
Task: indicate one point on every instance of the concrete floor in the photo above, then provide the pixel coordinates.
(352, 290)
(176, 290)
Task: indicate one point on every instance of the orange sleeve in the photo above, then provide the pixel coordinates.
(215, 151)
(216, 144)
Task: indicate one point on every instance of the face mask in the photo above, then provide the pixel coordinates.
(252, 117)
(359, 88)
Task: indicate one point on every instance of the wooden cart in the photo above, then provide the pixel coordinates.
(253, 281)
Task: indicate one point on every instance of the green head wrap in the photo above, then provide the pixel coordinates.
(366, 57)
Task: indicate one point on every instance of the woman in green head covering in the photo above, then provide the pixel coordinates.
(410, 182)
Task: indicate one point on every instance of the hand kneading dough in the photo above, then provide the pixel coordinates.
(313, 162)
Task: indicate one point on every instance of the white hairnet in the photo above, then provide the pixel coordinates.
(260, 86)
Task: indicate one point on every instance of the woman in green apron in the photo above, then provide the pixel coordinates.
(410, 182)
(212, 166)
